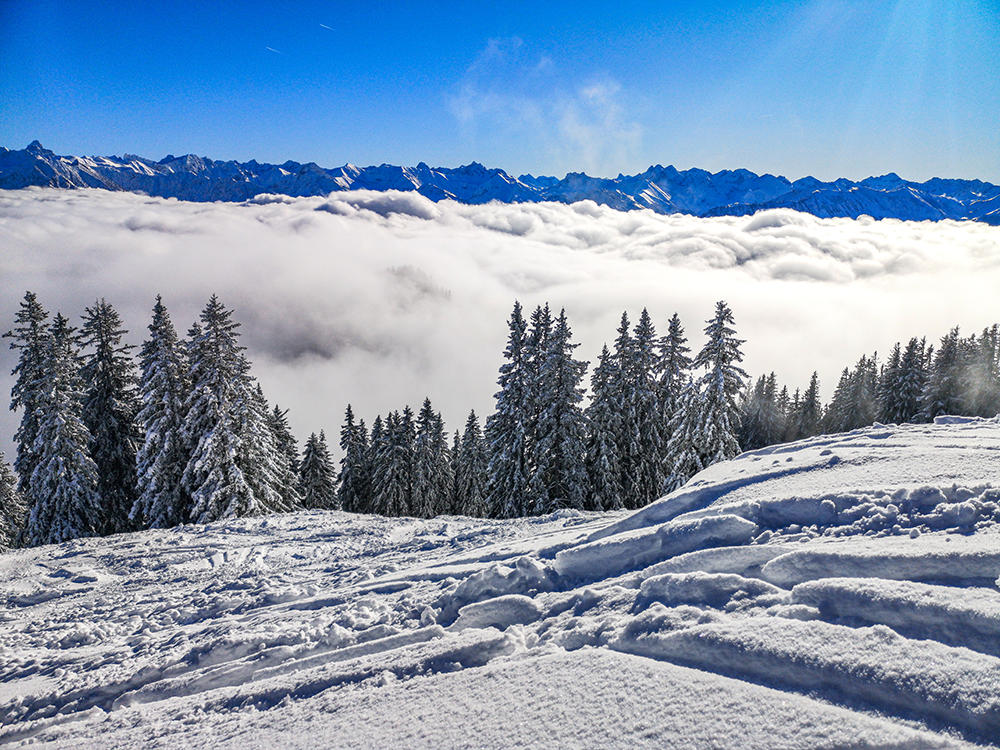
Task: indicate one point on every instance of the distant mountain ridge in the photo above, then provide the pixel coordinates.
(662, 189)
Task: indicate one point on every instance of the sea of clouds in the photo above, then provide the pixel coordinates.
(379, 299)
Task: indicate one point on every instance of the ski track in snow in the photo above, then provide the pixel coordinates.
(837, 592)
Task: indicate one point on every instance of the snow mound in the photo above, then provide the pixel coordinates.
(951, 558)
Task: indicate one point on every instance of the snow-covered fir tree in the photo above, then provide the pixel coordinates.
(288, 456)
(31, 339)
(855, 401)
(913, 379)
(392, 474)
(643, 406)
(807, 412)
(110, 409)
(455, 504)
(471, 463)
(213, 476)
(674, 367)
(943, 392)
(355, 479)
(560, 474)
(263, 464)
(317, 476)
(536, 345)
(887, 392)
(627, 433)
(603, 415)
(444, 472)
(507, 429)
(63, 487)
(376, 450)
(162, 454)
(684, 447)
(837, 413)
(432, 477)
(13, 512)
(981, 377)
(761, 421)
(720, 388)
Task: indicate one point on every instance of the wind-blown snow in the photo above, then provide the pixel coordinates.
(740, 611)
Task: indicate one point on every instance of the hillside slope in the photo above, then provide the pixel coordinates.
(837, 592)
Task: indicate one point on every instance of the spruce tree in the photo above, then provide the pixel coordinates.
(560, 475)
(393, 477)
(258, 455)
(110, 409)
(889, 387)
(720, 388)
(808, 411)
(31, 338)
(643, 404)
(684, 447)
(431, 472)
(838, 414)
(507, 429)
(456, 502)
(64, 483)
(911, 382)
(981, 378)
(376, 455)
(628, 448)
(355, 480)
(13, 512)
(674, 368)
(471, 463)
(536, 345)
(774, 411)
(317, 477)
(757, 414)
(288, 457)
(943, 392)
(162, 454)
(603, 416)
(443, 483)
(863, 393)
(213, 476)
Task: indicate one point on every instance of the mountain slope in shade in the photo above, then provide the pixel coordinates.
(662, 189)
(836, 592)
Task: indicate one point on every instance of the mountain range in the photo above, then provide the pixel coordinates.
(664, 190)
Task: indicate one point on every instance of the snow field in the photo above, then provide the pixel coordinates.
(723, 615)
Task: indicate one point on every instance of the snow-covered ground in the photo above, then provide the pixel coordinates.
(838, 592)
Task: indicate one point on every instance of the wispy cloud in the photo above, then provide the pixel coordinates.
(380, 299)
(511, 92)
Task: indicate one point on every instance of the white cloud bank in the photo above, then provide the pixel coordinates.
(380, 299)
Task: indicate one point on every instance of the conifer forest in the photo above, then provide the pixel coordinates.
(114, 440)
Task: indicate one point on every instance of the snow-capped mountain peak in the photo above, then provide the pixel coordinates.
(662, 189)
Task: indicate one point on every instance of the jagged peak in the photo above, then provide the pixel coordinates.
(36, 147)
(663, 188)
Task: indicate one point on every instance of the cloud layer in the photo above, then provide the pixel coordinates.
(379, 299)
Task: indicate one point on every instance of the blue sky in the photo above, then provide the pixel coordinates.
(830, 88)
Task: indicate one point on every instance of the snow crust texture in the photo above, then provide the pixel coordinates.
(837, 592)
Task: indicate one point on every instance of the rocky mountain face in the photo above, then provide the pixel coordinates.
(662, 189)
